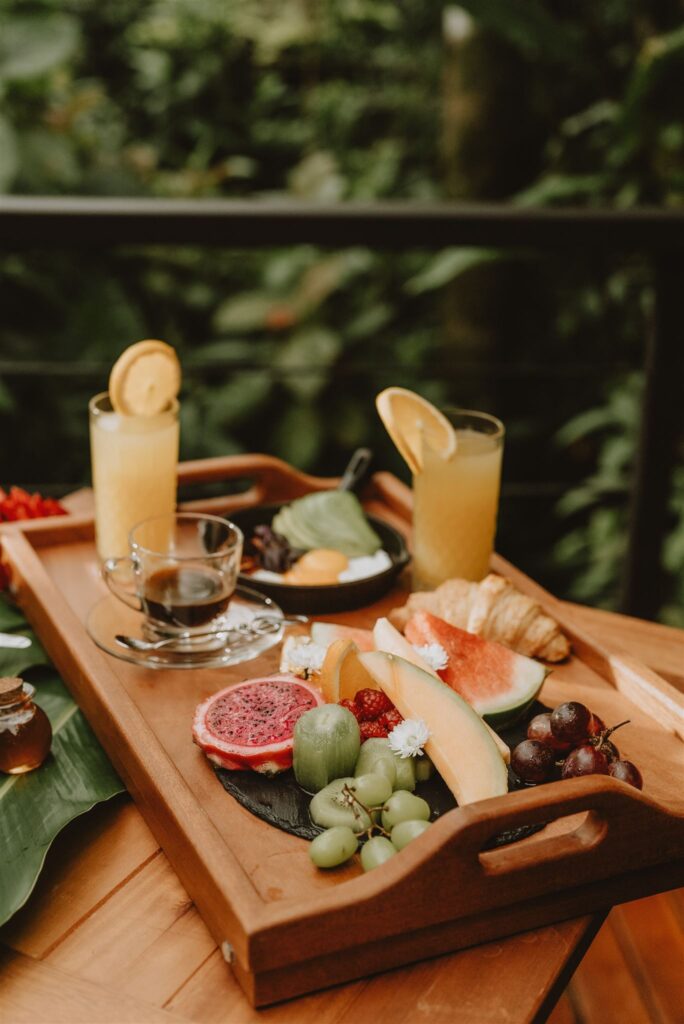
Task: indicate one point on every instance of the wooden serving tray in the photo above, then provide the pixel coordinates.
(287, 928)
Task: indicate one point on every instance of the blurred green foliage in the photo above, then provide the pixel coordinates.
(284, 350)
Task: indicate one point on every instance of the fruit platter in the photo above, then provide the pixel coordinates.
(420, 774)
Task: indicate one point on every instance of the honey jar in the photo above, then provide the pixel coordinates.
(25, 730)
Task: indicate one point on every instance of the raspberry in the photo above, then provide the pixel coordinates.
(373, 703)
(390, 719)
(352, 706)
(372, 730)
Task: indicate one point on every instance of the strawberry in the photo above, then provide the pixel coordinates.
(373, 703)
(390, 719)
(372, 730)
(352, 706)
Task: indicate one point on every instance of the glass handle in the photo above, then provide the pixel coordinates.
(118, 575)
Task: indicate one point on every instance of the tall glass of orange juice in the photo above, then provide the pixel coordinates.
(455, 501)
(134, 467)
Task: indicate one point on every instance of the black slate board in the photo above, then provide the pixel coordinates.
(281, 802)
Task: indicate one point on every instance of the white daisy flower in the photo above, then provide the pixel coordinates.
(409, 737)
(433, 654)
(302, 657)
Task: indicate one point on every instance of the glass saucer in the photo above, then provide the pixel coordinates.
(110, 617)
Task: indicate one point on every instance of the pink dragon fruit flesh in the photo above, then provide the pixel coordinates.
(251, 724)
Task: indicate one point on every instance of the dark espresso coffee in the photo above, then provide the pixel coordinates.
(186, 596)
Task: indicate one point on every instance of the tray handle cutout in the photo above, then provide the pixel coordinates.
(615, 822)
(590, 830)
(269, 480)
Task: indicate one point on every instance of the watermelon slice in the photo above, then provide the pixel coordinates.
(324, 633)
(390, 640)
(494, 680)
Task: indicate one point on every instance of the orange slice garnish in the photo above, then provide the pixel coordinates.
(410, 421)
(342, 674)
(145, 379)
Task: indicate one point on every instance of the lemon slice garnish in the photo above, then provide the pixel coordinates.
(145, 379)
(410, 420)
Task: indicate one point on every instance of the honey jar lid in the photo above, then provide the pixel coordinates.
(11, 689)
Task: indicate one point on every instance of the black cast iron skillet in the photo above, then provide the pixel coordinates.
(335, 597)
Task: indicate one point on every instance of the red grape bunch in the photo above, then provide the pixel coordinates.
(574, 740)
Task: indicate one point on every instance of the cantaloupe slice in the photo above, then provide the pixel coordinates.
(342, 674)
(460, 744)
(323, 633)
(387, 638)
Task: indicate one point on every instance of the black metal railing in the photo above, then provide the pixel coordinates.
(26, 221)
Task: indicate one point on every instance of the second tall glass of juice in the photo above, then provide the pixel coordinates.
(455, 502)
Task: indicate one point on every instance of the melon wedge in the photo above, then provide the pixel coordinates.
(387, 638)
(496, 681)
(342, 674)
(324, 633)
(460, 744)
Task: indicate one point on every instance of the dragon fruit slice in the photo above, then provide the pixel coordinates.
(250, 725)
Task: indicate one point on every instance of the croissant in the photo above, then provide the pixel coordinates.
(495, 610)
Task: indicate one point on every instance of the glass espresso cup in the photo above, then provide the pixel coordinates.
(181, 572)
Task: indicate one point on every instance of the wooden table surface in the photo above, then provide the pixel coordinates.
(111, 936)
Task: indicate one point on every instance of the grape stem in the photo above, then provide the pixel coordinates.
(357, 807)
(608, 732)
(603, 737)
(598, 741)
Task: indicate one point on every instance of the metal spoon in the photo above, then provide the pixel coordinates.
(135, 644)
(259, 626)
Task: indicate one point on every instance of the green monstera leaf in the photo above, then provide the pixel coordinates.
(36, 806)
